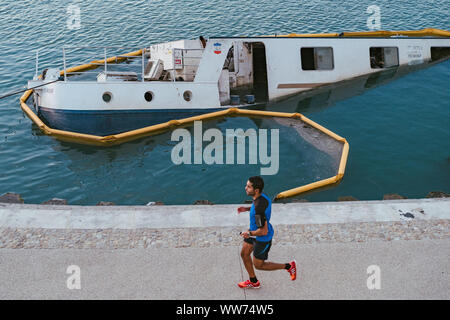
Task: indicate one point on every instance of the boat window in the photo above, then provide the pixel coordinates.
(107, 96)
(438, 53)
(318, 58)
(148, 96)
(383, 57)
(187, 95)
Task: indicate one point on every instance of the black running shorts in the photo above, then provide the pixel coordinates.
(260, 249)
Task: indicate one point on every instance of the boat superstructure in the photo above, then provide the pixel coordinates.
(183, 78)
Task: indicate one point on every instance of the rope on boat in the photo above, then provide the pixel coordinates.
(24, 90)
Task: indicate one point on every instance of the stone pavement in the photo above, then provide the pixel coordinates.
(192, 252)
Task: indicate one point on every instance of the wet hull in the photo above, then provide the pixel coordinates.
(103, 123)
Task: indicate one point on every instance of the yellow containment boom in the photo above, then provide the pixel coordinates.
(159, 128)
(116, 139)
(95, 63)
(427, 32)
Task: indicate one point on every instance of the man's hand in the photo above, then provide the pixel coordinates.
(242, 209)
(244, 234)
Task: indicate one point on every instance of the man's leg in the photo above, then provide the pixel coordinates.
(267, 266)
(246, 252)
(260, 255)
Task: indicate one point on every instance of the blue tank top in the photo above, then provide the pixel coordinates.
(263, 204)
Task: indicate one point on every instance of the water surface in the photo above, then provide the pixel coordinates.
(398, 132)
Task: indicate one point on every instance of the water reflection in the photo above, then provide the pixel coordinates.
(321, 98)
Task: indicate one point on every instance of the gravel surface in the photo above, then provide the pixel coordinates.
(220, 236)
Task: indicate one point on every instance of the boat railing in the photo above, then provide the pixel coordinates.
(95, 64)
(187, 58)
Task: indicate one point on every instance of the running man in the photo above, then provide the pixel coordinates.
(258, 239)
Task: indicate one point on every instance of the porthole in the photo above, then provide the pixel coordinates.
(148, 96)
(107, 96)
(187, 95)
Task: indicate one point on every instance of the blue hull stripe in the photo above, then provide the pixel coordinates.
(103, 123)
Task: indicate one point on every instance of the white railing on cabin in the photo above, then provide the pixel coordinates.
(106, 50)
(189, 58)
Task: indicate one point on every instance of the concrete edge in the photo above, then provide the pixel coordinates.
(198, 216)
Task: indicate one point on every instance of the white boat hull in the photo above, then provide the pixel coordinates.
(79, 105)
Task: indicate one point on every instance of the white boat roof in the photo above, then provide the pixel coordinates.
(427, 32)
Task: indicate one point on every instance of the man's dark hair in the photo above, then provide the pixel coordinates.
(257, 183)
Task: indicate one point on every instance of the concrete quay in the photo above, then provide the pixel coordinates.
(192, 252)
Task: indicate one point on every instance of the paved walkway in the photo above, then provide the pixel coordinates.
(192, 252)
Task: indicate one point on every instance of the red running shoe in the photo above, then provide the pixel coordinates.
(249, 284)
(293, 270)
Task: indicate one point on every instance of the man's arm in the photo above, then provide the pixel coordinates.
(262, 231)
(260, 217)
(257, 233)
(243, 209)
